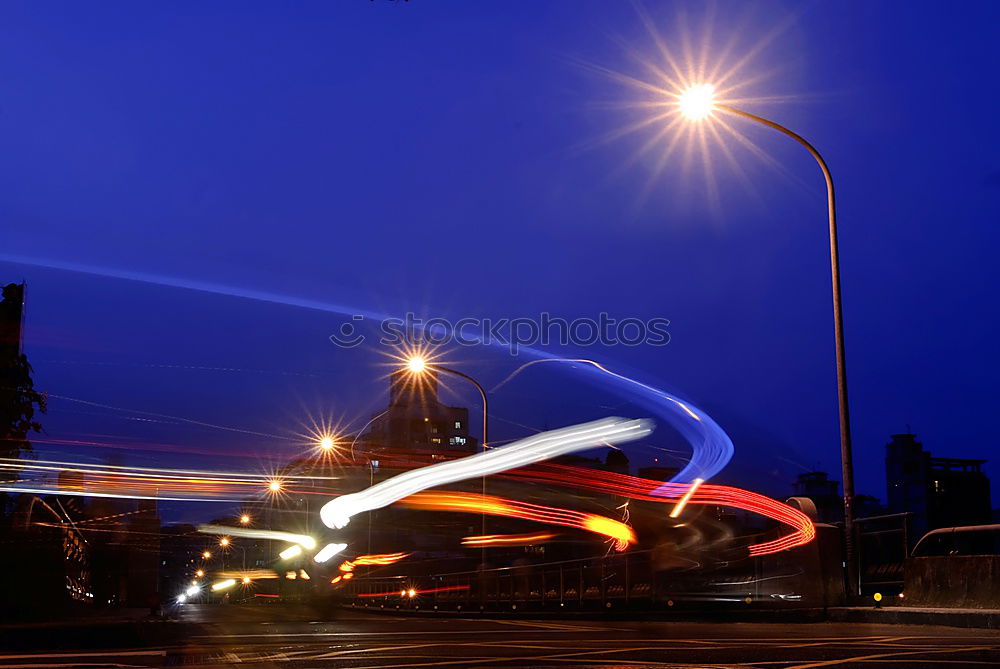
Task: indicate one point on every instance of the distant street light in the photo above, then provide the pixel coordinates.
(327, 444)
(224, 541)
(207, 555)
(200, 573)
(696, 104)
(245, 519)
(274, 485)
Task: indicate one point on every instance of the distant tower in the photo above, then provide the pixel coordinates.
(416, 419)
(940, 492)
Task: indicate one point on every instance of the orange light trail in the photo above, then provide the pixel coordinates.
(406, 593)
(379, 560)
(495, 506)
(507, 539)
(705, 495)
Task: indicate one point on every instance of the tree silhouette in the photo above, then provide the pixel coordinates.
(18, 398)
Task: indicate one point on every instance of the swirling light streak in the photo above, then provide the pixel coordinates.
(711, 447)
(706, 495)
(337, 512)
(495, 506)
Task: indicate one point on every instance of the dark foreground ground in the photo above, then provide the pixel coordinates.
(271, 636)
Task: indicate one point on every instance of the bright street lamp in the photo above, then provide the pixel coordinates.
(245, 519)
(696, 103)
(224, 541)
(326, 444)
(207, 555)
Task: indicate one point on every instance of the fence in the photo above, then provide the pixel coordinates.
(634, 580)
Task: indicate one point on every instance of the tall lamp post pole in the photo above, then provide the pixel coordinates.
(697, 103)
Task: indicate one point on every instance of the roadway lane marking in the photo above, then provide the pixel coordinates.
(558, 626)
(65, 665)
(124, 653)
(530, 660)
(274, 635)
(879, 656)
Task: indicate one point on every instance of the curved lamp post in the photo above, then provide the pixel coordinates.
(697, 103)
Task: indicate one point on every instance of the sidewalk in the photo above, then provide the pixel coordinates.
(913, 615)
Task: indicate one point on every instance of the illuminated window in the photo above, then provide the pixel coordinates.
(458, 425)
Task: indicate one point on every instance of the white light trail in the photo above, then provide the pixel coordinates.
(682, 502)
(303, 540)
(328, 552)
(222, 585)
(292, 551)
(337, 512)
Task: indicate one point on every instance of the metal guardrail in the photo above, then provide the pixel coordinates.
(634, 580)
(592, 581)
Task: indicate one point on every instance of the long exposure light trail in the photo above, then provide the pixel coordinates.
(412, 592)
(685, 498)
(301, 539)
(711, 447)
(706, 495)
(486, 540)
(495, 506)
(337, 512)
(68, 478)
(328, 552)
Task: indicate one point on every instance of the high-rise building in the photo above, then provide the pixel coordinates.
(416, 419)
(940, 492)
(823, 492)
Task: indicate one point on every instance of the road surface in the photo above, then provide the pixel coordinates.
(276, 636)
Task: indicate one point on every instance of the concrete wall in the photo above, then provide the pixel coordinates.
(955, 581)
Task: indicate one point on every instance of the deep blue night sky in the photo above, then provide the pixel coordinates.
(444, 158)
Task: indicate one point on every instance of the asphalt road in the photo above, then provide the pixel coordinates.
(273, 636)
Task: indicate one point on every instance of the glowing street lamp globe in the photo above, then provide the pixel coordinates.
(416, 364)
(224, 541)
(698, 101)
(245, 519)
(326, 443)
